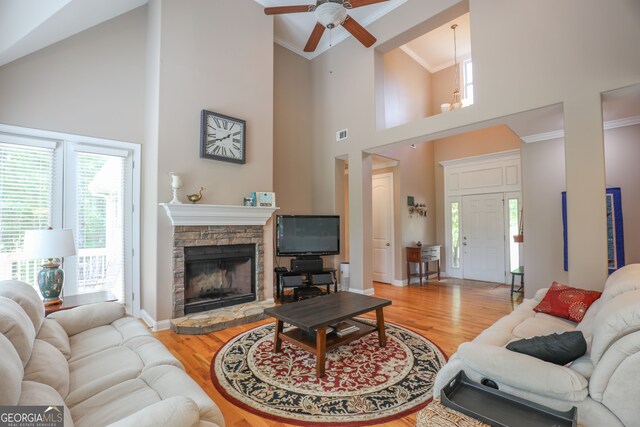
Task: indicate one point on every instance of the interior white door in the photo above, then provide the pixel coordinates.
(483, 237)
(382, 225)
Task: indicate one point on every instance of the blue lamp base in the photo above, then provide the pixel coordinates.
(50, 281)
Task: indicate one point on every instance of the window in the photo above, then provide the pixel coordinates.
(455, 234)
(97, 204)
(514, 221)
(467, 80)
(26, 189)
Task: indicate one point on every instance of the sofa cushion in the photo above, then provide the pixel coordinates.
(11, 373)
(542, 324)
(175, 411)
(103, 337)
(27, 297)
(567, 302)
(48, 366)
(54, 334)
(17, 327)
(620, 281)
(617, 318)
(89, 316)
(37, 394)
(559, 349)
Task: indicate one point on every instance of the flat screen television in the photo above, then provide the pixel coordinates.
(307, 235)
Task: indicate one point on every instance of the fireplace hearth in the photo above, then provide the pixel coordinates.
(218, 276)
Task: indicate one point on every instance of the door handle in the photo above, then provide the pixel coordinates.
(388, 244)
(464, 243)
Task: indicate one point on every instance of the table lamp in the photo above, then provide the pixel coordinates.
(51, 244)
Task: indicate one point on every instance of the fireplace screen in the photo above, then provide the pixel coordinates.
(218, 276)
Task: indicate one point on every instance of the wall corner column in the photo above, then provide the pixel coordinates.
(586, 187)
(360, 246)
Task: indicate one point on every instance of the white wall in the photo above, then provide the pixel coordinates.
(519, 65)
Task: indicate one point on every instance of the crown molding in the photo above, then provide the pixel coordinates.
(611, 124)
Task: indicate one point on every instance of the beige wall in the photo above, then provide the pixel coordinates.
(205, 66)
(292, 132)
(414, 176)
(443, 83)
(543, 180)
(145, 77)
(407, 89)
(622, 152)
(512, 72)
(476, 143)
(543, 167)
(90, 84)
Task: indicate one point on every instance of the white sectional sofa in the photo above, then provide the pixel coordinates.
(604, 384)
(103, 366)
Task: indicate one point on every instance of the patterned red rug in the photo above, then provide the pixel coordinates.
(364, 384)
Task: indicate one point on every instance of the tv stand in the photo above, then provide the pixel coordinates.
(307, 263)
(300, 279)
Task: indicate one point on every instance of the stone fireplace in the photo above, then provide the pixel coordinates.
(218, 265)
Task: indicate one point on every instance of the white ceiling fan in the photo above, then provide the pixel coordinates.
(330, 14)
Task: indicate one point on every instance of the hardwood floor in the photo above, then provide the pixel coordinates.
(447, 313)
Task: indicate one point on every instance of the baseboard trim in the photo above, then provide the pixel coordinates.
(154, 325)
(369, 291)
(399, 282)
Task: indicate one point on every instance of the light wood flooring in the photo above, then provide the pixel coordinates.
(448, 313)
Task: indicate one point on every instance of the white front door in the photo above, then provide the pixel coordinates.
(483, 237)
(382, 225)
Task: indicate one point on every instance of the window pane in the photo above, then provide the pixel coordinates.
(514, 221)
(455, 233)
(100, 223)
(26, 187)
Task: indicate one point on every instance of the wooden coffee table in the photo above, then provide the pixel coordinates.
(312, 317)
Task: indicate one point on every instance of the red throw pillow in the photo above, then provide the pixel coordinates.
(567, 302)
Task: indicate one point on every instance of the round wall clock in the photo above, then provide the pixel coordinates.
(223, 137)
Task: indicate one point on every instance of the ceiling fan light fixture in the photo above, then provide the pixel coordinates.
(330, 14)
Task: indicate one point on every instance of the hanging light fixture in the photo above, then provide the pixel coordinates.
(456, 102)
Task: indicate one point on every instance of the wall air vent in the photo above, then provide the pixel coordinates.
(341, 135)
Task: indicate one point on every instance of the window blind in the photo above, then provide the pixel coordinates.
(26, 188)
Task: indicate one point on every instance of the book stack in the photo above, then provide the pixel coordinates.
(344, 328)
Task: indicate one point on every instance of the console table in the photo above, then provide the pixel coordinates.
(423, 254)
(72, 301)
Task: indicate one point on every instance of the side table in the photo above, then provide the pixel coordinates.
(71, 301)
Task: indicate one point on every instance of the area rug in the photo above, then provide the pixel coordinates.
(364, 384)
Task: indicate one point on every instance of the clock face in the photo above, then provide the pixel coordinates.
(223, 137)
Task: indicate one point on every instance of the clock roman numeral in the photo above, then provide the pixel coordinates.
(215, 119)
(236, 133)
(236, 140)
(225, 124)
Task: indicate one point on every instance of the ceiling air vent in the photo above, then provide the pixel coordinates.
(341, 135)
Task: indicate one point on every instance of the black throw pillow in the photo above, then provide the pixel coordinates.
(555, 348)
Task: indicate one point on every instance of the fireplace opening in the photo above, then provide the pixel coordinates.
(219, 276)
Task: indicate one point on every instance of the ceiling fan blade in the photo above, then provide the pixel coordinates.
(358, 31)
(315, 37)
(360, 3)
(279, 10)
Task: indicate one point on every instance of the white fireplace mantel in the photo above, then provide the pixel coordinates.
(194, 214)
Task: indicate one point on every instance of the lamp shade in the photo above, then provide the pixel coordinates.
(49, 243)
